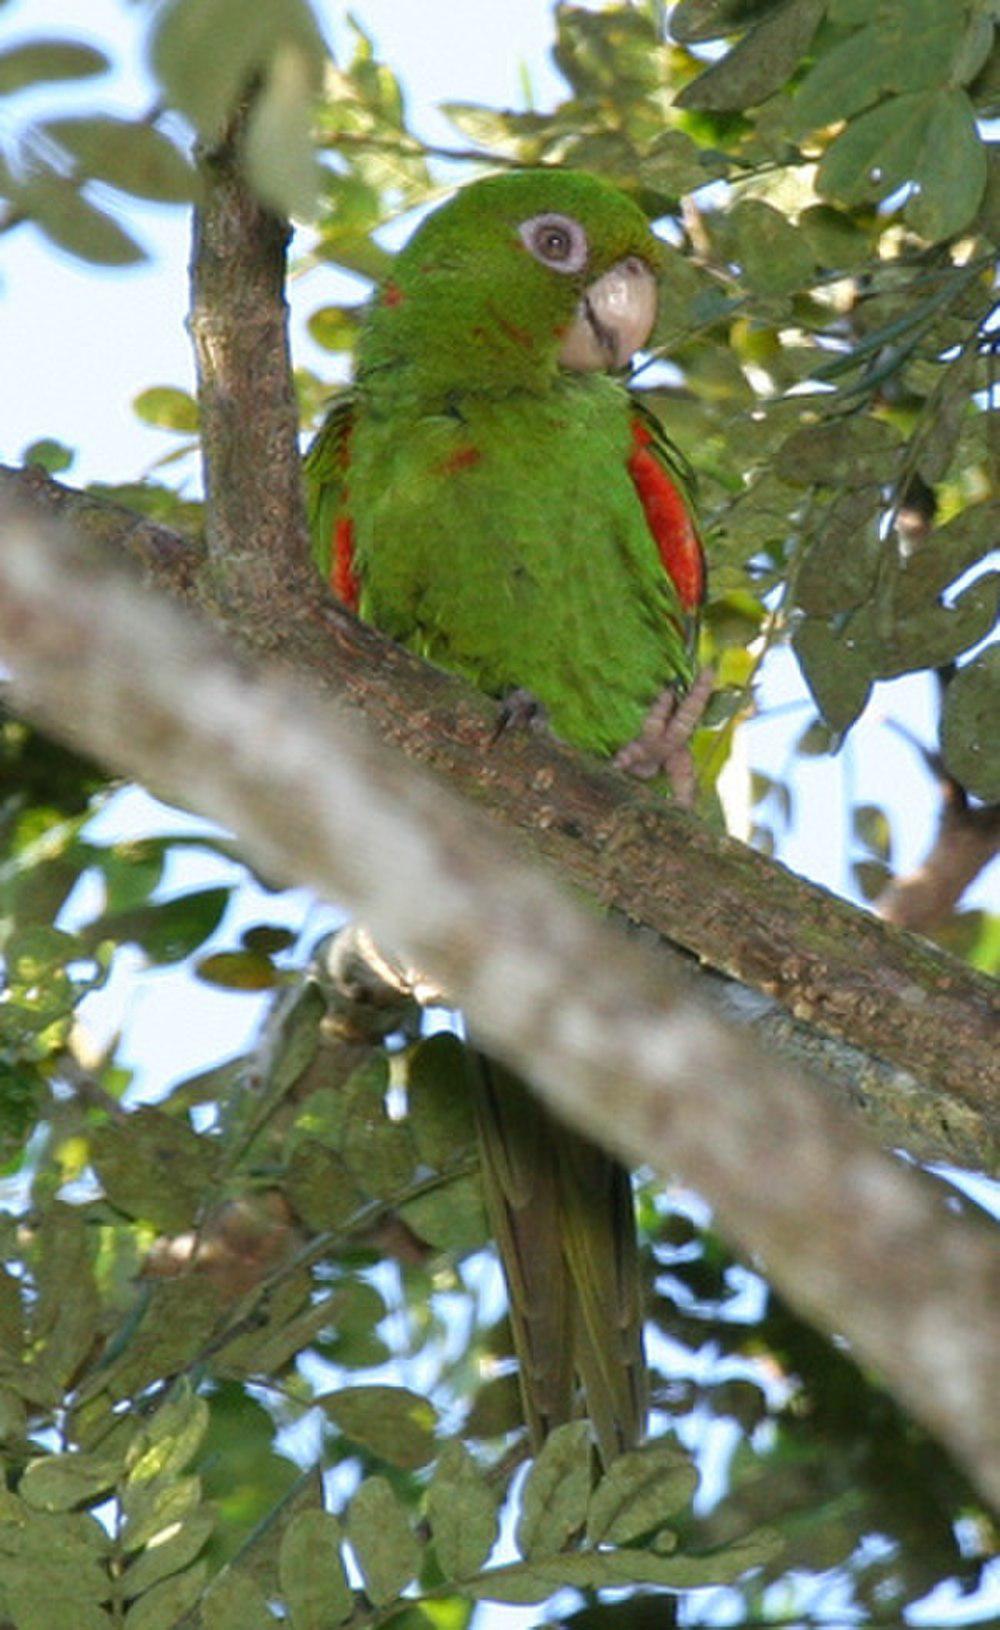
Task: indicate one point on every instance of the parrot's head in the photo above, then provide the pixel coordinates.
(517, 276)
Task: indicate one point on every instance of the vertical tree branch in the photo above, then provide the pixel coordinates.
(256, 534)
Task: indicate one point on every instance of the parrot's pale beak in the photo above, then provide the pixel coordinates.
(614, 318)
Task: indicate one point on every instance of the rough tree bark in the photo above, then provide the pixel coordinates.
(905, 1030)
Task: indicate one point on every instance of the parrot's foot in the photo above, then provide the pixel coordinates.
(661, 748)
(519, 710)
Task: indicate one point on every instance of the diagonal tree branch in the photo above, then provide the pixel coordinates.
(905, 1029)
(859, 1243)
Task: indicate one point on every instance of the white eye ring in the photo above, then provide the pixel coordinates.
(557, 241)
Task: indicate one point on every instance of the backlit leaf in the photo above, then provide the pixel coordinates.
(760, 63)
(165, 1605)
(839, 674)
(64, 215)
(383, 1542)
(60, 1482)
(205, 52)
(37, 61)
(555, 1495)
(462, 1509)
(969, 737)
(280, 158)
(439, 1090)
(925, 137)
(394, 1423)
(235, 1602)
(128, 154)
(153, 1166)
(638, 1492)
(167, 408)
(311, 1571)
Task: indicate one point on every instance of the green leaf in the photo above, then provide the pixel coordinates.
(60, 1482)
(675, 164)
(949, 407)
(692, 21)
(280, 158)
(932, 634)
(969, 738)
(311, 1571)
(462, 1509)
(394, 1423)
(383, 1542)
(127, 154)
(167, 930)
(439, 1101)
(267, 939)
(65, 1313)
(555, 1495)
(845, 78)
(838, 568)
(871, 878)
(166, 1604)
(37, 61)
(335, 327)
(451, 1217)
(320, 1187)
(926, 137)
(205, 52)
(39, 1604)
(850, 452)
(57, 207)
(775, 257)
(238, 970)
(945, 554)
(378, 1151)
(496, 1408)
(835, 239)
(168, 1556)
(638, 1492)
(168, 1442)
(157, 1508)
(871, 828)
(167, 408)
(838, 673)
(234, 1601)
(49, 455)
(153, 1166)
(759, 64)
(952, 175)
(595, 1570)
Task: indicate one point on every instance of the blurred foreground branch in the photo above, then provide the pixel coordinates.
(905, 1032)
(859, 1243)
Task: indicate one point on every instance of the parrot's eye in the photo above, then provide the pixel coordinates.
(557, 241)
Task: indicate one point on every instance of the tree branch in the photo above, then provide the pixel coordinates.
(256, 534)
(908, 1030)
(859, 1243)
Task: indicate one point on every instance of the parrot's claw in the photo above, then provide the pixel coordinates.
(661, 748)
(519, 710)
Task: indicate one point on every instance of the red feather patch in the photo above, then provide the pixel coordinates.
(343, 577)
(668, 518)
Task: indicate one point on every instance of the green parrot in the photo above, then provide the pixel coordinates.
(489, 496)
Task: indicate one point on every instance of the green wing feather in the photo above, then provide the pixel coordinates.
(325, 470)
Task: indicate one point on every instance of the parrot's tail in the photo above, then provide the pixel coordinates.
(562, 1214)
